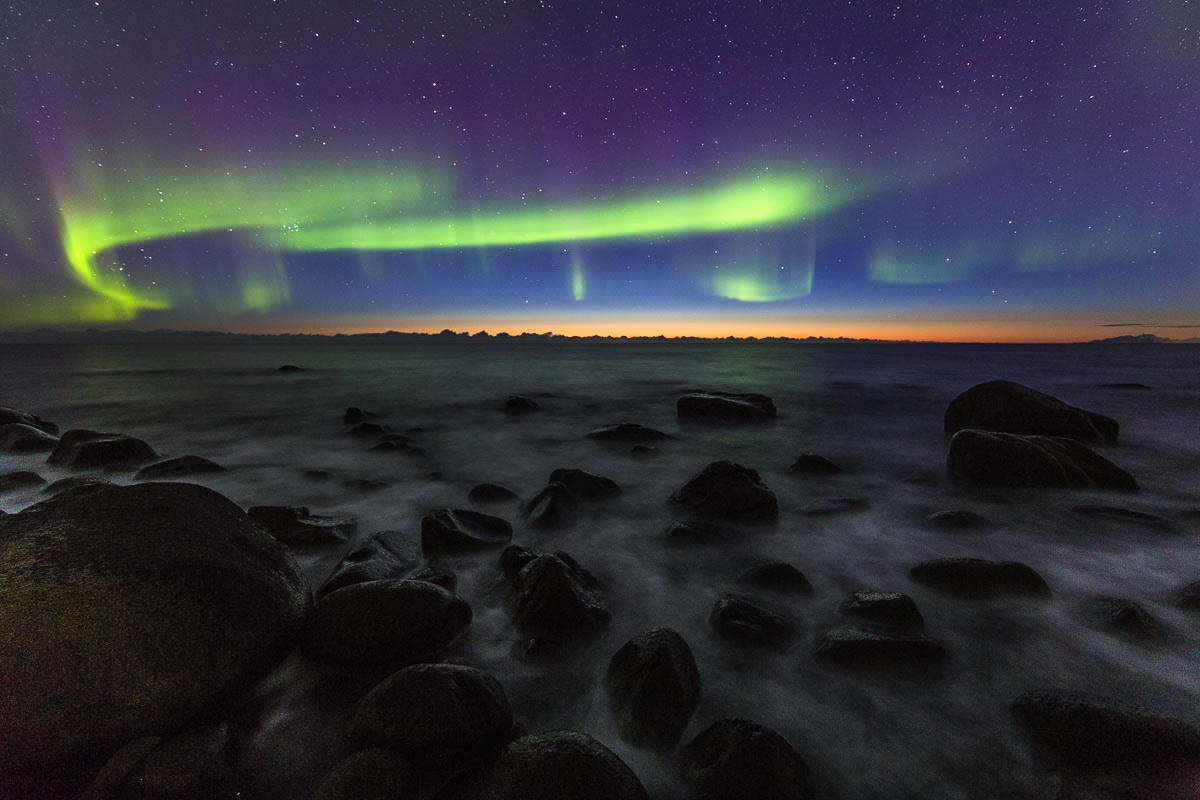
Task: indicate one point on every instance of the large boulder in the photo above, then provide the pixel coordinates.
(83, 449)
(437, 714)
(180, 467)
(557, 765)
(725, 406)
(1095, 731)
(453, 530)
(585, 485)
(977, 577)
(124, 611)
(1007, 407)
(16, 437)
(388, 623)
(728, 490)
(735, 759)
(654, 686)
(548, 596)
(1007, 459)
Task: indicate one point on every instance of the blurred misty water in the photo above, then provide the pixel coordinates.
(875, 409)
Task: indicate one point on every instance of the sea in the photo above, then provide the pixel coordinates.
(875, 409)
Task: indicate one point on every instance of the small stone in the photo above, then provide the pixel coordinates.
(289, 368)
(490, 493)
(875, 646)
(517, 405)
(1126, 618)
(354, 415)
(814, 464)
(552, 507)
(626, 432)
(365, 430)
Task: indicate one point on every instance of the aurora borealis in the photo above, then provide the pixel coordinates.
(1014, 172)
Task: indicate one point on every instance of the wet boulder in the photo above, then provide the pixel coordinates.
(1095, 731)
(1006, 459)
(890, 608)
(514, 557)
(867, 647)
(354, 415)
(181, 467)
(977, 577)
(548, 596)
(1007, 407)
(21, 479)
(83, 449)
(16, 437)
(437, 576)
(10, 415)
(434, 714)
(725, 406)
(585, 485)
(490, 493)
(728, 490)
(629, 432)
(456, 530)
(1124, 617)
(555, 765)
(387, 623)
(775, 576)
(377, 773)
(96, 586)
(738, 618)
(295, 526)
(383, 555)
(735, 759)
(815, 465)
(552, 507)
(654, 686)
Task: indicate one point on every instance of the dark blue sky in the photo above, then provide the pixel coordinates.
(941, 170)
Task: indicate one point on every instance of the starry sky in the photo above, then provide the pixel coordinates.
(1009, 171)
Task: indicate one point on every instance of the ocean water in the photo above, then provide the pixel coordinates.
(875, 409)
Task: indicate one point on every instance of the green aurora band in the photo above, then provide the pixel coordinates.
(335, 208)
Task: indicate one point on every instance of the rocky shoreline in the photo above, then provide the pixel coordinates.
(134, 620)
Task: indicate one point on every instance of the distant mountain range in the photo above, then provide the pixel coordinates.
(170, 336)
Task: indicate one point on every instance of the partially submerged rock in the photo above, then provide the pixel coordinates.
(957, 519)
(548, 596)
(439, 714)
(490, 493)
(728, 490)
(454, 530)
(16, 437)
(866, 647)
(383, 555)
(1095, 731)
(388, 623)
(294, 525)
(737, 617)
(21, 479)
(1007, 407)
(1124, 617)
(626, 432)
(725, 406)
(735, 759)
(98, 586)
(556, 765)
(552, 507)
(814, 464)
(12, 415)
(83, 449)
(1006, 459)
(892, 608)
(585, 485)
(180, 467)
(1142, 518)
(654, 686)
(776, 576)
(517, 405)
(977, 577)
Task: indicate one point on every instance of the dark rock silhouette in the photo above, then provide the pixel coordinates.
(449, 530)
(548, 596)
(585, 485)
(726, 489)
(735, 759)
(775, 576)
(814, 464)
(96, 587)
(84, 449)
(725, 406)
(626, 432)
(180, 467)
(976, 577)
(17, 437)
(294, 525)
(1007, 407)
(1006, 459)
(892, 608)
(871, 647)
(654, 686)
(377, 773)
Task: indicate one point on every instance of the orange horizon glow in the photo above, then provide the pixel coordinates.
(1047, 329)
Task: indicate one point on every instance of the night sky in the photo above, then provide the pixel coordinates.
(964, 171)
